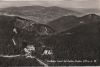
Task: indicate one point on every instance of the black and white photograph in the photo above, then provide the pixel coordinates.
(49, 33)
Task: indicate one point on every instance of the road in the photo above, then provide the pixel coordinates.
(32, 57)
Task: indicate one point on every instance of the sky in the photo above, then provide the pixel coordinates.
(60, 3)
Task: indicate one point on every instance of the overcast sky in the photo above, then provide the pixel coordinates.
(60, 3)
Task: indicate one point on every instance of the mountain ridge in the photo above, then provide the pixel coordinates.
(67, 22)
(40, 14)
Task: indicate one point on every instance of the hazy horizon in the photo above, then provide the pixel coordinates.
(86, 4)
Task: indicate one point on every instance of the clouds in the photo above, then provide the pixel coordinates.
(60, 3)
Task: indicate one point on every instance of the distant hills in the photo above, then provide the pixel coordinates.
(67, 22)
(58, 18)
(40, 14)
(44, 15)
(88, 11)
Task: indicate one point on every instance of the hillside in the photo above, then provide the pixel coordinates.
(80, 42)
(66, 22)
(90, 18)
(27, 30)
(39, 14)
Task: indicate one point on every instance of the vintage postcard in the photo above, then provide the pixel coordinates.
(49, 33)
